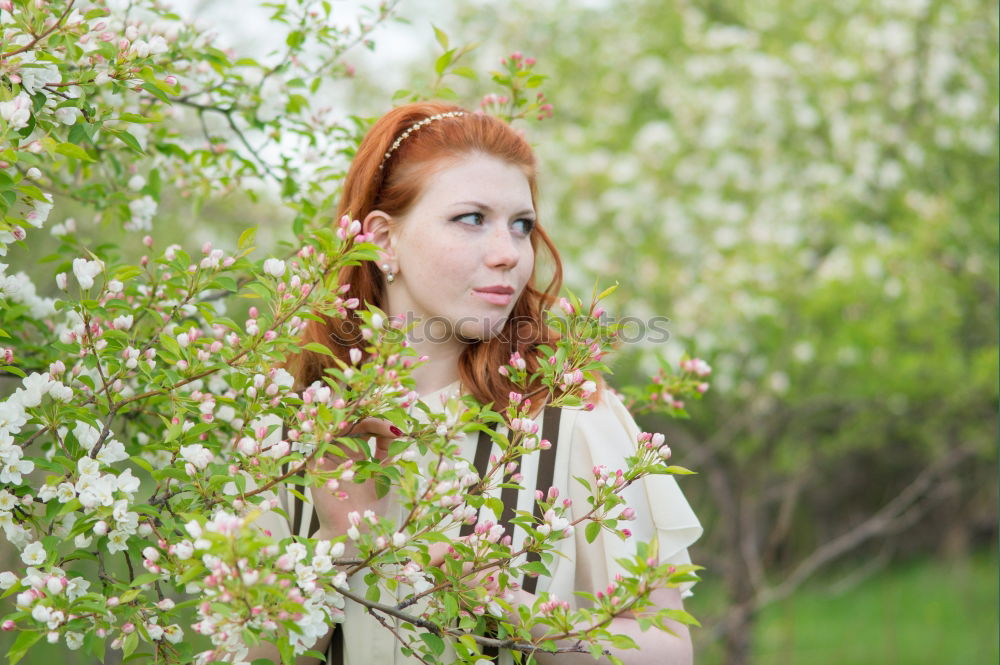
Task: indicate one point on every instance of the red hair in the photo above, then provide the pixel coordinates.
(394, 189)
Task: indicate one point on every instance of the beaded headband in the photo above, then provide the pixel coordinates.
(414, 127)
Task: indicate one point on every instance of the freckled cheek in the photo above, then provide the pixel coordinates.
(450, 265)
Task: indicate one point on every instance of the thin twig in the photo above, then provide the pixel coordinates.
(30, 45)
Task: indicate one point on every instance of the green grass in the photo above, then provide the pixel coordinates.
(918, 613)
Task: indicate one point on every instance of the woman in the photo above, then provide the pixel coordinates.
(450, 197)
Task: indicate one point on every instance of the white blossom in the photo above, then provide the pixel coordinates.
(112, 451)
(40, 211)
(34, 554)
(68, 115)
(37, 76)
(197, 454)
(73, 640)
(17, 111)
(7, 500)
(143, 209)
(85, 271)
(274, 267)
(7, 580)
(117, 541)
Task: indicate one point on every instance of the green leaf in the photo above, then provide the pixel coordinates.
(145, 579)
(247, 238)
(316, 347)
(466, 72)
(141, 463)
(607, 292)
(382, 485)
(128, 139)
(193, 572)
(450, 605)
(73, 151)
(443, 61)
(154, 90)
(295, 39)
(535, 567)
(73, 504)
(682, 617)
(129, 595)
(21, 645)
(131, 642)
(441, 37)
(434, 643)
(135, 117)
(496, 505)
(94, 645)
(126, 273)
(592, 530)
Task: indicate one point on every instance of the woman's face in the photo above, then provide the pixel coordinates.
(462, 254)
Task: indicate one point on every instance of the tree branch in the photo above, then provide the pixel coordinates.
(30, 45)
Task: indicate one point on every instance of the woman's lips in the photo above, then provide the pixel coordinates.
(501, 299)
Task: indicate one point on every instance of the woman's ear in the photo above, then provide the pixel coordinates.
(377, 225)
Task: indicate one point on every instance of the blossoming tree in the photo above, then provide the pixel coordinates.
(141, 425)
(808, 190)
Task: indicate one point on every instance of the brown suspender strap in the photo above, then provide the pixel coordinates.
(481, 462)
(313, 522)
(298, 508)
(335, 651)
(544, 477)
(508, 496)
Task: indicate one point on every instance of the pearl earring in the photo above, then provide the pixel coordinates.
(390, 276)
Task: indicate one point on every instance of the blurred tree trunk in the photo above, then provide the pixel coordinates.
(738, 574)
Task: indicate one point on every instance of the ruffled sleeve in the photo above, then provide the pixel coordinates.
(606, 436)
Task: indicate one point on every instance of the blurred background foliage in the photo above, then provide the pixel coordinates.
(808, 191)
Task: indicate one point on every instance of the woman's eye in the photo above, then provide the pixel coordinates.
(470, 218)
(525, 225)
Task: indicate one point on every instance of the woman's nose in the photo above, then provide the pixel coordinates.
(502, 251)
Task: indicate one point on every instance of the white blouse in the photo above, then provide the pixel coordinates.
(604, 436)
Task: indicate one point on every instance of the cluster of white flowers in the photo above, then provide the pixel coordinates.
(20, 289)
(39, 211)
(93, 489)
(35, 75)
(143, 209)
(555, 524)
(16, 112)
(320, 605)
(14, 415)
(196, 457)
(46, 592)
(86, 270)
